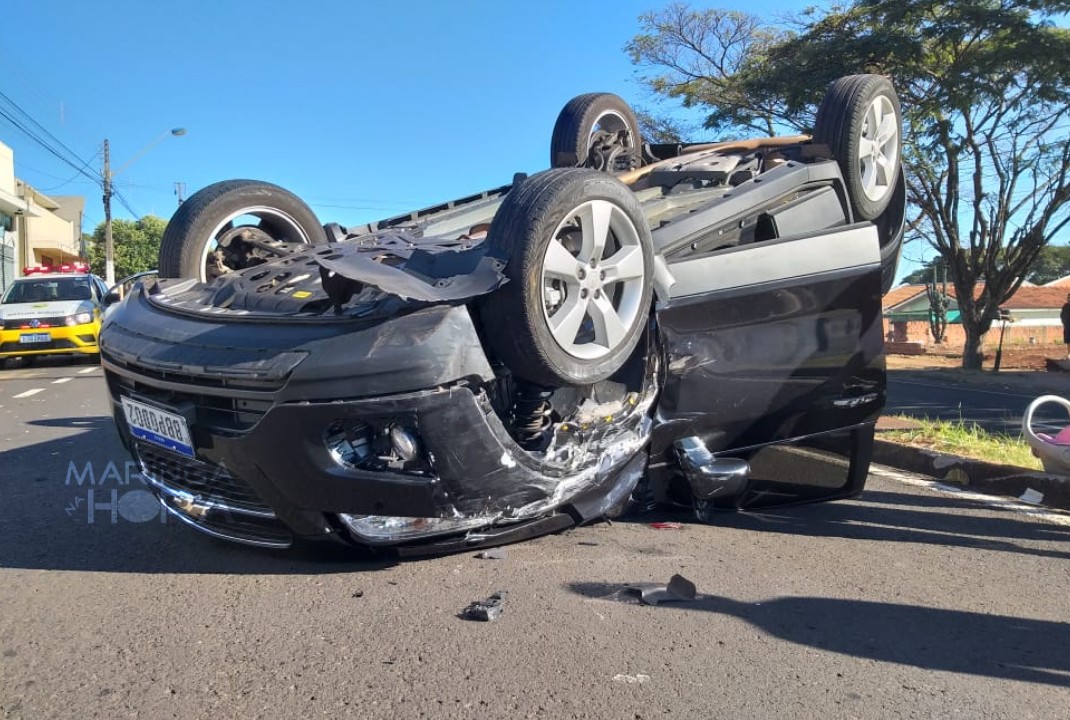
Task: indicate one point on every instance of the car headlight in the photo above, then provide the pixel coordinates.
(80, 319)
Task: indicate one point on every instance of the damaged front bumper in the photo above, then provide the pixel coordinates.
(380, 434)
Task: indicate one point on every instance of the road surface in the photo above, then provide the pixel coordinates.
(909, 602)
(995, 408)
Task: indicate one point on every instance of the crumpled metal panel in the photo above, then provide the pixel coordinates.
(413, 268)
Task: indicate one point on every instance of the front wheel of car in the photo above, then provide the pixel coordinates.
(579, 262)
(231, 225)
(860, 122)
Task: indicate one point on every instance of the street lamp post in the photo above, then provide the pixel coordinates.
(109, 245)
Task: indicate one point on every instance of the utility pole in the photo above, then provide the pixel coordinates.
(109, 249)
(180, 191)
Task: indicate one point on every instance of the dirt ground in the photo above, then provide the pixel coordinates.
(1031, 357)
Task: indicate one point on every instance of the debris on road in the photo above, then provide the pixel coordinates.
(666, 525)
(631, 679)
(679, 589)
(358, 593)
(486, 610)
(492, 554)
(1031, 496)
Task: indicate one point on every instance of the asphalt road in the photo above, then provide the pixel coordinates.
(997, 409)
(909, 602)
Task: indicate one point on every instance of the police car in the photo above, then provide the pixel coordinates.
(52, 310)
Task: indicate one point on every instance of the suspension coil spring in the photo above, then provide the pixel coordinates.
(532, 416)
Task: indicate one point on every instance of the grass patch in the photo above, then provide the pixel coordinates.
(965, 440)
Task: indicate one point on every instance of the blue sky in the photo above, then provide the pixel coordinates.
(364, 109)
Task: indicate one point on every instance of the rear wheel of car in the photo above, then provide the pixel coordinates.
(599, 131)
(227, 226)
(860, 120)
(579, 259)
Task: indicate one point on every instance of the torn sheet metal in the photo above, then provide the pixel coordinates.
(402, 264)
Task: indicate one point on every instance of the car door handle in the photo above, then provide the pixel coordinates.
(855, 401)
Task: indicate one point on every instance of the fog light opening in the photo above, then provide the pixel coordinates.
(389, 446)
(349, 442)
(404, 443)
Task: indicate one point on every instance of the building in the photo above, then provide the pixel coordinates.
(35, 229)
(53, 236)
(1034, 309)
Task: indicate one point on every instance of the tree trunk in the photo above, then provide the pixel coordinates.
(971, 351)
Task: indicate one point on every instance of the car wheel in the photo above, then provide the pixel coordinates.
(860, 121)
(218, 228)
(579, 260)
(891, 227)
(599, 131)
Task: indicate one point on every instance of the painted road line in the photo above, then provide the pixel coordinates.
(28, 393)
(87, 370)
(62, 380)
(996, 501)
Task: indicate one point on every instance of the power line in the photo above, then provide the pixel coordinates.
(43, 129)
(75, 177)
(123, 201)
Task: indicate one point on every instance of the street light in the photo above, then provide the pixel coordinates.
(109, 249)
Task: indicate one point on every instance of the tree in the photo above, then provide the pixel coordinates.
(136, 245)
(923, 274)
(1052, 264)
(985, 88)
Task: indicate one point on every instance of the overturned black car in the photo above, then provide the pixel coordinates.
(689, 324)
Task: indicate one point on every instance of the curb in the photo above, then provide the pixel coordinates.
(1005, 480)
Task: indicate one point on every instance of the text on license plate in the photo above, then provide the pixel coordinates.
(34, 338)
(160, 427)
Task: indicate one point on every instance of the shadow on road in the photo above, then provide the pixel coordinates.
(67, 505)
(885, 516)
(995, 646)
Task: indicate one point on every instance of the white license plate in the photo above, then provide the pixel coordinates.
(27, 338)
(159, 427)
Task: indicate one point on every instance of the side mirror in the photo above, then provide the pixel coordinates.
(112, 297)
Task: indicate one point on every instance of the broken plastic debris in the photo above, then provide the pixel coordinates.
(492, 554)
(666, 525)
(638, 679)
(679, 589)
(486, 610)
(1034, 497)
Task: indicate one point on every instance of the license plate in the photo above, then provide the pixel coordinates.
(149, 423)
(35, 338)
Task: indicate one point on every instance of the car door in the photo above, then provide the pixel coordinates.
(774, 354)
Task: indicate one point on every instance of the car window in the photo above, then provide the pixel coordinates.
(48, 290)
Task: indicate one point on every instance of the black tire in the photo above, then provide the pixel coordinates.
(844, 122)
(203, 218)
(891, 227)
(570, 144)
(604, 318)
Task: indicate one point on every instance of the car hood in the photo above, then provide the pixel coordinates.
(48, 309)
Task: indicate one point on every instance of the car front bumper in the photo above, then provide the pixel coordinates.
(81, 339)
(265, 469)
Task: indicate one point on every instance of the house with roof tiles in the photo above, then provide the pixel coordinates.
(1034, 310)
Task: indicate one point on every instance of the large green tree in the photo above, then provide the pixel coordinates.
(985, 88)
(1052, 263)
(136, 245)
